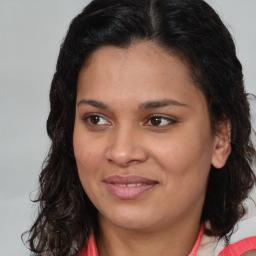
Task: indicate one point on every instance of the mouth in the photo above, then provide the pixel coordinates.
(128, 187)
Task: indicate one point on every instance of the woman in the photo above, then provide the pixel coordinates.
(150, 134)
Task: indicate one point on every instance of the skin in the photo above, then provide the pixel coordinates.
(249, 253)
(176, 149)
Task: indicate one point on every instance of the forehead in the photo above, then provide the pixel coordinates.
(143, 71)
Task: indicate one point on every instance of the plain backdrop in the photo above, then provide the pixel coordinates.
(31, 32)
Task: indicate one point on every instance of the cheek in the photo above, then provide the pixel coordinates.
(89, 154)
(88, 151)
(184, 153)
(87, 160)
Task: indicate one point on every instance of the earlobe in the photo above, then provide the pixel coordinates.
(222, 144)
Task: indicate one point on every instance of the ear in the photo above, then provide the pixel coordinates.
(222, 144)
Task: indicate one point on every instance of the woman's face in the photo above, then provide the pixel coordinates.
(142, 138)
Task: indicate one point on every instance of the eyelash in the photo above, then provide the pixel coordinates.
(170, 121)
(91, 115)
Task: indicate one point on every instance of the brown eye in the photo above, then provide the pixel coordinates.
(156, 121)
(94, 119)
(160, 121)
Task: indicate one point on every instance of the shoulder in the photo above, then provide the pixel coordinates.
(242, 242)
(246, 246)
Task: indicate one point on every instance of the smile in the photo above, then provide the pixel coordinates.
(128, 187)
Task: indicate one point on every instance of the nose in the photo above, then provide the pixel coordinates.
(126, 148)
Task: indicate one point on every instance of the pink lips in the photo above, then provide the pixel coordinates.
(128, 187)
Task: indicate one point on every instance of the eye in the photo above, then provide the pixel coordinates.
(96, 120)
(159, 121)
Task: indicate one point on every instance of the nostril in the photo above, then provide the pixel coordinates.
(126, 159)
(122, 164)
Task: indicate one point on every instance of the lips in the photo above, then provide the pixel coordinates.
(128, 187)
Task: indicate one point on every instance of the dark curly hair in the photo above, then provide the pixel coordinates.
(193, 31)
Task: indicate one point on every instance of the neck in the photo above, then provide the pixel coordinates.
(177, 240)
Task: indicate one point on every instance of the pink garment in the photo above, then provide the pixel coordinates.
(198, 240)
(235, 249)
(239, 247)
(91, 249)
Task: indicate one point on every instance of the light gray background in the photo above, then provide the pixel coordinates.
(30, 35)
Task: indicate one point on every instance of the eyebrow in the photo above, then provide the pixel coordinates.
(144, 106)
(94, 103)
(160, 104)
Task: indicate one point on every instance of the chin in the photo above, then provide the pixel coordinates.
(129, 219)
